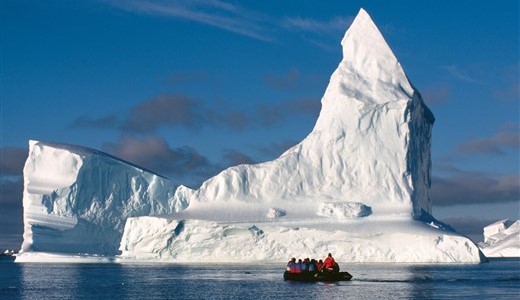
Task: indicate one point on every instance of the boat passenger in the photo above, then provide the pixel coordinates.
(305, 265)
(298, 267)
(329, 263)
(312, 266)
(335, 267)
(291, 265)
(319, 265)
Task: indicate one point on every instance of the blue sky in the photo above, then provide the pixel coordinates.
(187, 88)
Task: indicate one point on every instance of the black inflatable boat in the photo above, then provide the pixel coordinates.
(319, 276)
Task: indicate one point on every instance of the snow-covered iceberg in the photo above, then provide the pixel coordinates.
(357, 186)
(501, 239)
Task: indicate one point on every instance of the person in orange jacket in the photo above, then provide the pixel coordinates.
(329, 264)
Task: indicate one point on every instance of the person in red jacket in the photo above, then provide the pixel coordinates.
(329, 264)
(319, 265)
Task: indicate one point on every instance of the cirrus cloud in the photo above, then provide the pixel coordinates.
(224, 15)
(237, 19)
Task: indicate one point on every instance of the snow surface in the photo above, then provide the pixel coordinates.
(357, 186)
(501, 239)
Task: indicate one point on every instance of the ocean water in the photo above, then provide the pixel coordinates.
(498, 279)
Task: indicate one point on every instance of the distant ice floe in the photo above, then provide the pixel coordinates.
(501, 239)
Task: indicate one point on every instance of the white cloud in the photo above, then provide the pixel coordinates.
(337, 24)
(235, 18)
(461, 74)
(220, 14)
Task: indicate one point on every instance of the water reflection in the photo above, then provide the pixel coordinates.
(10, 275)
(68, 281)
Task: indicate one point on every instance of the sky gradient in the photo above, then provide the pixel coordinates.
(188, 88)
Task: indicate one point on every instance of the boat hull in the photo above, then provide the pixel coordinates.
(320, 276)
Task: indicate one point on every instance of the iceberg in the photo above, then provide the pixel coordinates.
(357, 186)
(501, 239)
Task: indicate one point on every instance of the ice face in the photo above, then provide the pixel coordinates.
(77, 200)
(167, 239)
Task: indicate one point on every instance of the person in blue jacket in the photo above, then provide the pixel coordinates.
(299, 266)
(312, 266)
(291, 265)
(305, 265)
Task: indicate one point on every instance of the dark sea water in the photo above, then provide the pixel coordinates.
(498, 279)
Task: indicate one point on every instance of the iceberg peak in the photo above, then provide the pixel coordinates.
(369, 73)
(366, 52)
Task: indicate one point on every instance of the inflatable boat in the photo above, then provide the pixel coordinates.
(317, 276)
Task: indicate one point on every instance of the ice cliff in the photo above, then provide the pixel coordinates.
(501, 239)
(358, 185)
(77, 200)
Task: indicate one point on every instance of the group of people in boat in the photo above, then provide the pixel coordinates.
(306, 265)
